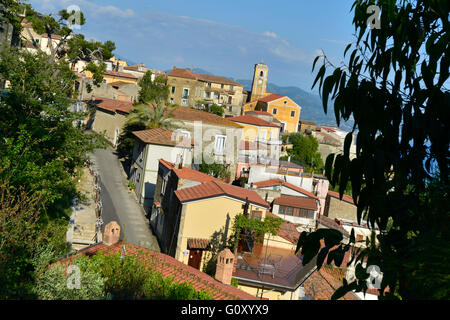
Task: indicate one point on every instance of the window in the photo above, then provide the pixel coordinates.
(230, 100)
(285, 102)
(256, 215)
(231, 88)
(230, 109)
(173, 89)
(209, 84)
(274, 111)
(171, 100)
(292, 114)
(216, 95)
(222, 86)
(185, 93)
(219, 146)
(184, 102)
(261, 74)
(138, 177)
(208, 94)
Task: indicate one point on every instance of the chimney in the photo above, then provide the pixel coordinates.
(112, 233)
(224, 267)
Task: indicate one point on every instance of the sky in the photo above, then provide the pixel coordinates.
(226, 38)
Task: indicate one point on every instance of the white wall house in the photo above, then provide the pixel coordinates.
(150, 146)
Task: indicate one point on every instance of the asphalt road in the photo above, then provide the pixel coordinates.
(119, 204)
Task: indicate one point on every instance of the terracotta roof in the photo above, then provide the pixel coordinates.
(186, 73)
(248, 119)
(288, 231)
(277, 182)
(215, 188)
(264, 113)
(272, 97)
(170, 267)
(120, 75)
(163, 136)
(119, 83)
(189, 114)
(331, 223)
(182, 73)
(328, 136)
(307, 122)
(345, 197)
(296, 202)
(323, 283)
(53, 36)
(187, 173)
(217, 79)
(112, 105)
(197, 243)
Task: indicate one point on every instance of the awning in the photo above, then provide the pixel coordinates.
(202, 244)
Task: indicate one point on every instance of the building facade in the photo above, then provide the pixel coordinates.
(189, 89)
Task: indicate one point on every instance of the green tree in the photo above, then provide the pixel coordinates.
(145, 116)
(394, 87)
(305, 152)
(217, 170)
(153, 91)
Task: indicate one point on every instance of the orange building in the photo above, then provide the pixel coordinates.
(283, 108)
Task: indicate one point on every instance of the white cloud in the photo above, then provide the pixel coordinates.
(270, 34)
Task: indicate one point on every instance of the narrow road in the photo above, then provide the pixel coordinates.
(119, 203)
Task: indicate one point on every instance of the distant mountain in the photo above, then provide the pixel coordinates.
(312, 109)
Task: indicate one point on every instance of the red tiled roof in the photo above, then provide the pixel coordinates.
(331, 223)
(215, 188)
(162, 136)
(288, 231)
(182, 73)
(248, 119)
(272, 97)
(264, 113)
(277, 182)
(113, 105)
(189, 114)
(323, 283)
(307, 122)
(187, 173)
(120, 74)
(344, 197)
(170, 267)
(118, 83)
(53, 36)
(197, 243)
(296, 202)
(186, 73)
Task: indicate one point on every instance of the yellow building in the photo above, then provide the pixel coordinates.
(115, 76)
(256, 129)
(191, 209)
(283, 108)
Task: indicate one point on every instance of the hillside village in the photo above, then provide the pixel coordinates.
(191, 212)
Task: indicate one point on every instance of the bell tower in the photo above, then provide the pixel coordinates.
(259, 81)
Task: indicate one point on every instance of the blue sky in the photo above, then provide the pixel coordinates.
(224, 37)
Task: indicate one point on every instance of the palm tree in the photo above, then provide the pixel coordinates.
(156, 115)
(145, 116)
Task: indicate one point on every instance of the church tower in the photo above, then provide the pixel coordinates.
(259, 81)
